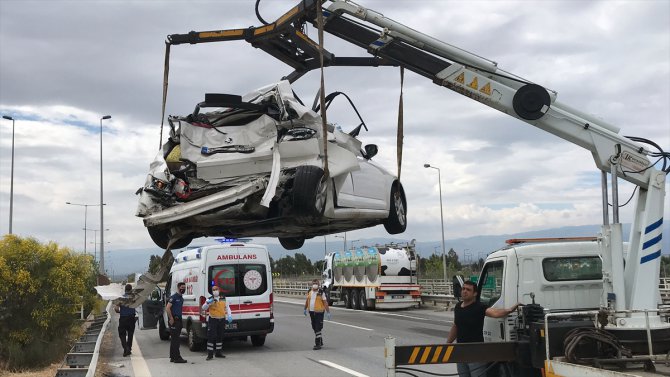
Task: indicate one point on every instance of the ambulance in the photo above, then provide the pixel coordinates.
(243, 274)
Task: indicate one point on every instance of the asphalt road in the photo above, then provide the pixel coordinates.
(353, 346)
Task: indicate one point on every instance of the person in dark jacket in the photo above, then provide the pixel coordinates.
(126, 323)
(174, 310)
(468, 326)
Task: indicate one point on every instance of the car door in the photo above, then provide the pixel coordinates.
(254, 286)
(371, 186)
(490, 287)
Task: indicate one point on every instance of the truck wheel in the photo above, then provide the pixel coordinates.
(163, 333)
(363, 302)
(194, 341)
(161, 238)
(258, 340)
(291, 243)
(347, 298)
(309, 193)
(356, 303)
(397, 220)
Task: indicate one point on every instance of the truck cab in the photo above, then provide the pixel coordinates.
(558, 275)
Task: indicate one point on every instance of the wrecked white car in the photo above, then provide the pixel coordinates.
(255, 167)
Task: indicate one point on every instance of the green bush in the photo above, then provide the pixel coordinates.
(41, 288)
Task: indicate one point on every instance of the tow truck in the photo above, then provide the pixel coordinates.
(629, 293)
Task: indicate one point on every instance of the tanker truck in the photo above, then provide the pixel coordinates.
(373, 277)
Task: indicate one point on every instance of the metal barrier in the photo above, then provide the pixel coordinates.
(82, 359)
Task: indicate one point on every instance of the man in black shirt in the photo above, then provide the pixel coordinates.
(468, 326)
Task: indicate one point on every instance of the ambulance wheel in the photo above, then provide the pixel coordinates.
(163, 333)
(291, 243)
(363, 302)
(397, 220)
(346, 294)
(194, 342)
(257, 340)
(355, 303)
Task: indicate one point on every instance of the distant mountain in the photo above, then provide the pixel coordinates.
(120, 263)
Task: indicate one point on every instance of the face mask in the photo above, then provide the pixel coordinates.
(182, 290)
(315, 287)
(215, 293)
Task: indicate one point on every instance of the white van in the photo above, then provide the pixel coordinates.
(242, 272)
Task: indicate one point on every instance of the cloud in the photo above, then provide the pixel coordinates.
(65, 64)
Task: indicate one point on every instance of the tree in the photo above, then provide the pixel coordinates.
(42, 287)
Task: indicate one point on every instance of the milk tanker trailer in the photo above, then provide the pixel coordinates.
(382, 277)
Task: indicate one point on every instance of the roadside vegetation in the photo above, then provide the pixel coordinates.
(42, 290)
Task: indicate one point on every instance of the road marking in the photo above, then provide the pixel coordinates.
(140, 367)
(343, 369)
(363, 311)
(344, 324)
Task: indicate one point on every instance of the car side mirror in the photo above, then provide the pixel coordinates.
(370, 151)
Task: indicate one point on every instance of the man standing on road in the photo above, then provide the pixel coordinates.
(468, 326)
(126, 323)
(317, 303)
(219, 311)
(174, 308)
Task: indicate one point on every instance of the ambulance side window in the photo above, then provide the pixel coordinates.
(224, 277)
(252, 279)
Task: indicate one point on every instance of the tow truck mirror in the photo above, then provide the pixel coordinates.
(370, 151)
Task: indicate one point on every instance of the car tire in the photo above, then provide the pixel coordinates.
(257, 340)
(194, 342)
(397, 220)
(291, 243)
(355, 303)
(362, 301)
(163, 332)
(161, 238)
(309, 193)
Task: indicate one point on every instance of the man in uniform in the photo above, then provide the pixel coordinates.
(174, 308)
(219, 310)
(126, 323)
(317, 303)
(468, 326)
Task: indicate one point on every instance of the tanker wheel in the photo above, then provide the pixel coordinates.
(355, 303)
(362, 301)
(347, 298)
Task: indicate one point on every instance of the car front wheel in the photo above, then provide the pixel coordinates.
(161, 238)
(291, 243)
(309, 193)
(397, 220)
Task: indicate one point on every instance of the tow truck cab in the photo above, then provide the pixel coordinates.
(559, 276)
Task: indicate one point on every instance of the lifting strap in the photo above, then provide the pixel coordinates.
(322, 92)
(399, 141)
(166, 70)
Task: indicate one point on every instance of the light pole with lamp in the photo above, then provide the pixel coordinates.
(95, 242)
(444, 255)
(11, 179)
(345, 241)
(102, 225)
(85, 216)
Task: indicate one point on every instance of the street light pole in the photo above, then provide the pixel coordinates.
(102, 225)
(345, 241)
(85, 216)
(11, 180)
(444, 255)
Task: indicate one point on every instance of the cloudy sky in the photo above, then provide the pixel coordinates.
(64, 64)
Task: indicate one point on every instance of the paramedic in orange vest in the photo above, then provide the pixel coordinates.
(317, 303)
(219, 311)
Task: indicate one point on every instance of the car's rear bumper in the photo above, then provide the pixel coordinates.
(207, 203)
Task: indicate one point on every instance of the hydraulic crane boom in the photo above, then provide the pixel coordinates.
(634, 287)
